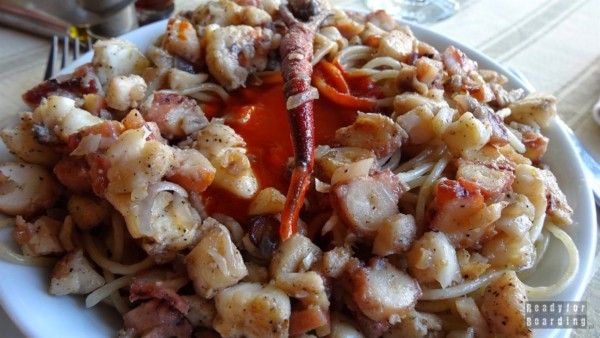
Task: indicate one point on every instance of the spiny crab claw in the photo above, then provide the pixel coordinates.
(296, 53)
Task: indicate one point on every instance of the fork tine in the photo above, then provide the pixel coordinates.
(63, 62)
(89, 43)
(76, 49)
(51, 56)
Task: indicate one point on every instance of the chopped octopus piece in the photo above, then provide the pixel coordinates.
(365, 202)
(416, 325)
(22, 141)
(459, 210)
(226, 151)
(233, 52)
(74, 274)
(382, 292)
(398, 45)
(372, 131)
(61, 116)
(81, 82)
(116, 57)
(142, 288)
(456, 62)
(395, 235)
(230, 13)
(328, 160)
(535, 109)
(177, 116)
(433, 258)
(157, 318)
(125, 92)
(215, 262)
(192, 170)
(26, 188)
(182, 40)
(558, 209)
(39, 238)
(252, 310)
(383, 20)
(492, 182)
(503, 306)
(201, 312)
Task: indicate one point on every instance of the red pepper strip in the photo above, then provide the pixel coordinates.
(343, 99)
(334, 76)
(272, 78)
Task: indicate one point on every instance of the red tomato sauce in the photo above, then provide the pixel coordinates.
(259, 115)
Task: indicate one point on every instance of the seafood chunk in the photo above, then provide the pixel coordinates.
(267, 201)
(328, 160)
(383, 20)
(503, 306)
(558, 209)
(416, 325)
(136, 162)
(432, 258)
(125, 92)
(82, 81)
(397, 44)
(22, 141)
(233, 52)
(467, 133)
(365, 202)
(87, 211)
(535, 109)
(201, 311)
(492, 182)
(39, 238)
(192, 170)
(457, 63)
(182, 40)
(229, 13)
(459, 210)
(382, 292)
(26, 188)
(395, 235)
(61, 116)
(116, 57)
(225, 150)
(342, 328)
(297, 254)
(418, 124)
(253, 311)
(215, 263)
(176, 115)
(372, 131)
(74, 274)
(157, 318)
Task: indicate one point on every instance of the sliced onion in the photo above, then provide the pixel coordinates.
(330, 224)
(88, 144)
(352, 170)
(299, 99)
(321, 186)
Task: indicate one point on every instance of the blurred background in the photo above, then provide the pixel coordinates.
(555, 44)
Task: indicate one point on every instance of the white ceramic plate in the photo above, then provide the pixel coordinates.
(23, 290)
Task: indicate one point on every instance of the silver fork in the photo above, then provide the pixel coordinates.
(589, 163)
(61, 54)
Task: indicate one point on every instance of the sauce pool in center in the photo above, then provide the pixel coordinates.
(259, 115)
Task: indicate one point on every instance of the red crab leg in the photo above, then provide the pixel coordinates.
(296, 53)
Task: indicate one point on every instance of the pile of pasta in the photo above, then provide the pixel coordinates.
(424, 212)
